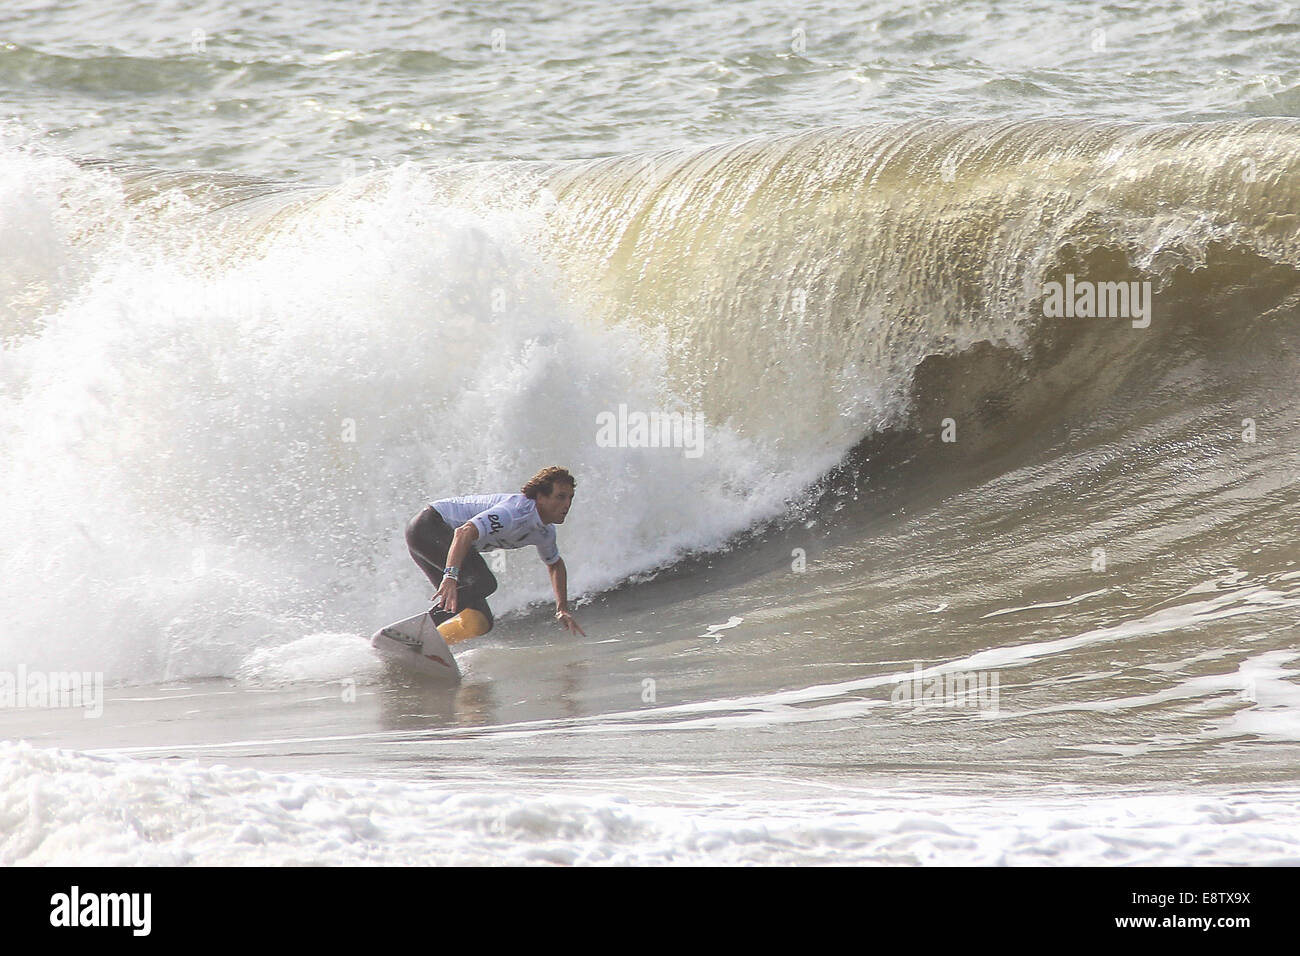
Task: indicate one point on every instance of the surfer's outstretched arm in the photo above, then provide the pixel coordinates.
(560, 584)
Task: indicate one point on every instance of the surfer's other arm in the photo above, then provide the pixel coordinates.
(560, 585)
(461, 541)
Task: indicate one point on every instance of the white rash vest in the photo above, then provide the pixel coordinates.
(503, 521)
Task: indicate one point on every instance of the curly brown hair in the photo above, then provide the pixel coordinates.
(544, 481)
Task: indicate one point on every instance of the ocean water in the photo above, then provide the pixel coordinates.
(954, 574)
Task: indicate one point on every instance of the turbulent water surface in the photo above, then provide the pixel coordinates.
(954, 576)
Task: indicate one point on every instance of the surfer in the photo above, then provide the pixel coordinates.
(446, 540)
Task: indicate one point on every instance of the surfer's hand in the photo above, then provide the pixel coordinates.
(446, 596)
(566, 619)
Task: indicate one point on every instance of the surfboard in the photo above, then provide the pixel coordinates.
(429, 656)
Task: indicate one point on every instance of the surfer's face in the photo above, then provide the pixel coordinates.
(553, 507)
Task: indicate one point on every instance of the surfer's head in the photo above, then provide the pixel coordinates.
(552, 488)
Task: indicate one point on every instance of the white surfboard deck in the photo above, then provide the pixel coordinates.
(433, 656)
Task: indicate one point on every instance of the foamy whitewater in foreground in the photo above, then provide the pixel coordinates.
(57, 807)
(241, 257)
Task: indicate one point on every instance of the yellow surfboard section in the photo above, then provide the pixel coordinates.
(468, 623)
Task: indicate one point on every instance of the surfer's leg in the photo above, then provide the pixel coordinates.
(428, 538)
(476, 582)
(476, 603)
(476, 577)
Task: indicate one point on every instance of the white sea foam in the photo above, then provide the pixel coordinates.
(64, 808)
(316, 657)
